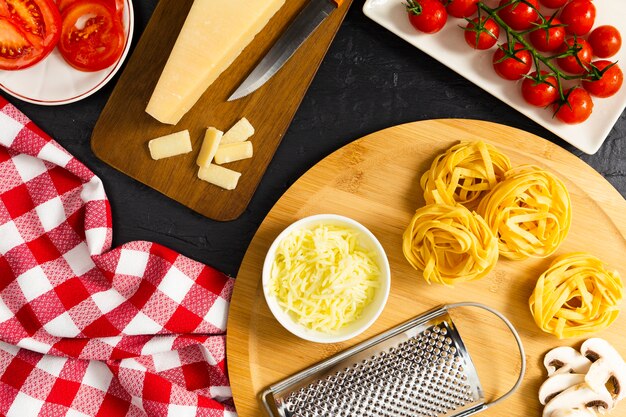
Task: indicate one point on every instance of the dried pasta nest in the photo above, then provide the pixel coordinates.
(464, 174)
(576, 296)
(449, 244)
(529, 212)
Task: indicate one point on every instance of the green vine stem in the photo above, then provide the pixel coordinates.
(536, 56)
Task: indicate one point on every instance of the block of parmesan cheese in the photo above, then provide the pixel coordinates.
(213, 35)
(240, 132)
(232, 152)
(220, 176)
(210, 143)
(170, 145)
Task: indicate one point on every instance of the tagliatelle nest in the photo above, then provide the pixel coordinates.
(449, 244)
(530, 213)
(464, 174)
(576, 296)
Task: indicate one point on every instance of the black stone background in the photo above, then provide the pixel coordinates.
(369, 80)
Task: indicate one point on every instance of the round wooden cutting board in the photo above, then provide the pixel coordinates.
(375, 180)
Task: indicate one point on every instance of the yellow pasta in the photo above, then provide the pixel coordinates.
(576, 296)
(449, 244)
(464, 174)
(530, 213)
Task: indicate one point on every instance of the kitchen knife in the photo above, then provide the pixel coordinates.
(298, 31)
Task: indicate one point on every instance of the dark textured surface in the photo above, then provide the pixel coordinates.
(369, 80)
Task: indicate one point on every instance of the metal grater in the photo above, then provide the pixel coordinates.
(417, 369)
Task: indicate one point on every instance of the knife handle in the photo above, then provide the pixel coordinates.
(338, 3)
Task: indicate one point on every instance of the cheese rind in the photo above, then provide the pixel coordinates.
(240, 132)
(220, 176)
(232, 152)
(212, 37)
(210, 144)
(170, 145)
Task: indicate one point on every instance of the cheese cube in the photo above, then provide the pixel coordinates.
(170, 145)
(212, 37)
(232, 152)
(210, 143)
(220, 176)
(240, 132)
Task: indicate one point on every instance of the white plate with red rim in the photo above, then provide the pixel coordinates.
(54, 82)
(448, 47)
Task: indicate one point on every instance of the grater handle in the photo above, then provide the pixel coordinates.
(518, 340)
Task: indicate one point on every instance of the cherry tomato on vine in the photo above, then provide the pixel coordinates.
(610, 82)
(519, 15)
(461, 8)
(482, 35)
(540, 92)
(569, 63)
(547, 39)
(576, 109)
(514, 66)
(579, 16)
(553, 4)
(427, 16)
(605, 41)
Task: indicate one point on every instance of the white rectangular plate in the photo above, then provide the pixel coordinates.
(448, 47)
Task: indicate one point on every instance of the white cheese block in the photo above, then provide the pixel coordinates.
(213, 35)
(232, 152)
(240, 132)
(210, 143)
(170, 145)
(220, 176)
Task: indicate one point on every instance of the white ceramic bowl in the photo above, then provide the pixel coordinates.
(370, 312)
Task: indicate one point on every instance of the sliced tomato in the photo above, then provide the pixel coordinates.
(117, 5)
(37, 21)
(15, 50)
(92, 37)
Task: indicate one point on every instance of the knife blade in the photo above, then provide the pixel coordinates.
(311, 16)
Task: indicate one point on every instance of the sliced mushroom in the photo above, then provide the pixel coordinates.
(608, 369)
(564, 359)
(579, 412)
(579, 397)
(558, 383)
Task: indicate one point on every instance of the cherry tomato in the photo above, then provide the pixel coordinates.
(427, 16)
(548, 39)
(117, 5)
(519, 15)
(483, 35)
(610, 82)
(540, 93)
(578, 107)
(579, 16)
(605, 41)
(570, 64)
(512, 68)
(37, 21)
(462, 8)
(553, 4)
(97, 42)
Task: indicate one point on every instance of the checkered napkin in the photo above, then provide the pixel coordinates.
(90, 331)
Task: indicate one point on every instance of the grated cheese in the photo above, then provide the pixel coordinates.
(323, 277)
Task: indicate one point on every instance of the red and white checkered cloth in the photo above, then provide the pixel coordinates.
(90, 331)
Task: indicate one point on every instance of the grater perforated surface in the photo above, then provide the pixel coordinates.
(419, 369)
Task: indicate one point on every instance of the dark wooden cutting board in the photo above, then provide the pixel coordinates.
(123, 130)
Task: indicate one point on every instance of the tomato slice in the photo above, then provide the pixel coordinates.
(117, 5)
(32, 27)
(15, 50)
(39, 20)
(92, 38)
